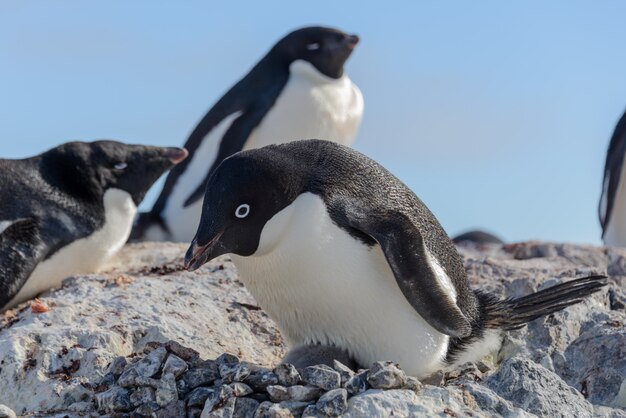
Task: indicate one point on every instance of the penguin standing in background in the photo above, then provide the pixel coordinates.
(343, 255)
(298, 90)
(71, 208)
(612, 208)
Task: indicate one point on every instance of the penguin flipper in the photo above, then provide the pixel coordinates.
(233, 141)
(21, 249)
(417, 275)
(612, 173)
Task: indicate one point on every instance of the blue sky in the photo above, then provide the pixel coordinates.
(497, 114)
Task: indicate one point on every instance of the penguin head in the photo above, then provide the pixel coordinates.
(326, 49)
(88, 169)
(242, 195)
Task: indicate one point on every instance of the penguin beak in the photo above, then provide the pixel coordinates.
(351, 41)
(197, 255)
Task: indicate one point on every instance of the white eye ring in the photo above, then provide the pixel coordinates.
(242, 211)
(120, 166)
(313, 46)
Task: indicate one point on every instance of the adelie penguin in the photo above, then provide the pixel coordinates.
(612, 208)
(68, 210)
(348, 261)
(298, 90)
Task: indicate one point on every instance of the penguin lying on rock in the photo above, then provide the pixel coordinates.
(297, 90)
(341, 254)
(68, 210)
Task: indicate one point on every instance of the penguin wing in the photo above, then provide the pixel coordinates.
(232, 142)
(421, 279)
(21, 249)
(612, 172)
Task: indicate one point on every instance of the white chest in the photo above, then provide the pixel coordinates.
(311, 106)
(615, 234)
(320, 285)
(85, 255)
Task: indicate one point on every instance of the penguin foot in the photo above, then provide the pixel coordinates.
(312, 354)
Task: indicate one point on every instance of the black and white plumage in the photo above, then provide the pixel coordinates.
(298, 90)
(612, 207)
(69, 210)
(477, 237)
(340, 253)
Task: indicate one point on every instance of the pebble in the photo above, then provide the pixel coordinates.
(234, 372)
(6, 412)
(198, 396)
(201, 376)
(224, 410)
(175, 365)
(304, 393)
(259, 379)
(386, 375)
(227, 358)
(295, 407)
(344, 371)
(278, 393)
(167, 391)
(357, 383)
(146, 410)
(240, 389)
(287, 375)
(142, 395)
(117, 366)
(321, 376)
(171, 410)
(217, 398)
(127, 379)
(181, 351)
(413, 384)
(333, 403)
(245, 408)
(115, 399)
(272, 410)
(151, 364)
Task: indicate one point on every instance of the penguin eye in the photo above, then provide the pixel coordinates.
(313, 46)
(120, 166)
(242, 211)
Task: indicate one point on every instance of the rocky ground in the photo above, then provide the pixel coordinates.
(148, 339)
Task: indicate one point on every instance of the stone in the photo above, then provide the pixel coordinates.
(198, 396)
(245, 408)
(234, 372)
(386, 375)
(413, 384)
(321, 376)
(295, 407)
(117, 366)
(304, 393)
(218, 398)
(179, 350)
(259, 379)
(167, 391)
(537, 390)
(173, 409)
(175, 365)
(333, 403)
(148, 409)
(142, 395)
(357, 383)
(115, 399)
(272, 410)
(151, 364)
(240, 389)
(127, 379)
(287, 374)
(344, 371)
(278, 393)
(201, 376)
(146, 381)
(225, 409)
(227, 358)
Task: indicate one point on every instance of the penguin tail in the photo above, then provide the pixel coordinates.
(510, 314)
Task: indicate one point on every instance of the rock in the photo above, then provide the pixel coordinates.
(287, 375)
(127, 379)
(175, 365)
(224, 409)
(6, 412)
(386, 375)
(198, 396)
(148, 409)
(259, 379)
(151, 364)
(321, 376)
(218, 398)
(173, 409)
(413, 384)
(245, 408)
(344, 371)
(227, 358)
(333, 403)
(295, 407)
(278, 393)
(304, 393)
(114, 400)
(272, 410)
(532, 388)
(234, 372)
(117, 366)
(142, 395)
(167, 391)
(185, 353)
(240, 389)
(357, 383)
(201, 376)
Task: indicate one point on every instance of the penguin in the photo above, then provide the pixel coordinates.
(298, 90)
(612, 207)
(477, 237)
(341, 254)
(69, 209)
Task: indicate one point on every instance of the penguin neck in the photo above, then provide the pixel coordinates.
(306, 70)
